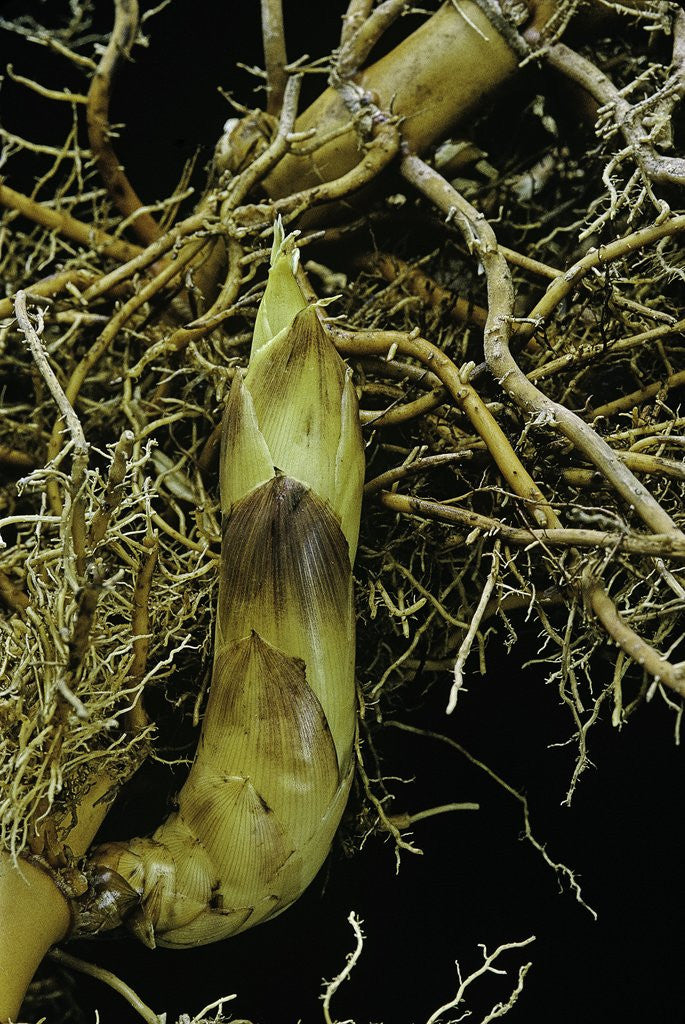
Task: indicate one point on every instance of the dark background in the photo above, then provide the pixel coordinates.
(477, 881)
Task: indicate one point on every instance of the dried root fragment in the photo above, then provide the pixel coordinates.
(99, 131)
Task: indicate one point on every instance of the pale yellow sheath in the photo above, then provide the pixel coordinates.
(273, 768)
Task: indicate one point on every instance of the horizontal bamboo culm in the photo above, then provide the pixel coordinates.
(273, 767)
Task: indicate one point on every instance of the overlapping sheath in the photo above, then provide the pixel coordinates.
(273, 767)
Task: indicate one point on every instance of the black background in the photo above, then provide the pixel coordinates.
(477, 881)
